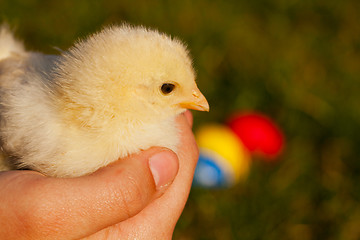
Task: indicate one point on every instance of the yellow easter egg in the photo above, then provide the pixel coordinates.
(221, 140)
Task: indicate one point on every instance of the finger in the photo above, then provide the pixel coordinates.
(159, 218)
(189, 117)
(110, 195)
(188, 144)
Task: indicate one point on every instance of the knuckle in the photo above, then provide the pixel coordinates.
(133, 193)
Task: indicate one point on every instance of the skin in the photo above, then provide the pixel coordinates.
(120, 201)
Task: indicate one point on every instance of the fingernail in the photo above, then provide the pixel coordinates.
(164, 167)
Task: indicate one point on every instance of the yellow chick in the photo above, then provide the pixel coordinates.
(113, 94)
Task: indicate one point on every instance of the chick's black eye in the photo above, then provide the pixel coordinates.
(167, 88)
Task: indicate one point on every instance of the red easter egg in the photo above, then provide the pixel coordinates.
(258, 133)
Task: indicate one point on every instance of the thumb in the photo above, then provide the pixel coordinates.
(85, 205)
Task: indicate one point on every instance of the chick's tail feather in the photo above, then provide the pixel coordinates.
(8, 43)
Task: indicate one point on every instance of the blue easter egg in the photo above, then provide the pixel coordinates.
(213, 170)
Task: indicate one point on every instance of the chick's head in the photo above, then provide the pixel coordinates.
(127, 74)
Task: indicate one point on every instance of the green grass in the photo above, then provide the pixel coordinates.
(296, 61)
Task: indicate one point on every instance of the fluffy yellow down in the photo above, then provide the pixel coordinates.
(113, 94)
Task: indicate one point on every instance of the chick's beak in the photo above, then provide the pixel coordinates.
(197, 101)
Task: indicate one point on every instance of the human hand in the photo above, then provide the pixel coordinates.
(120, 201)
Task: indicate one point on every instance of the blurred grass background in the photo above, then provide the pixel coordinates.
(296, 61)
